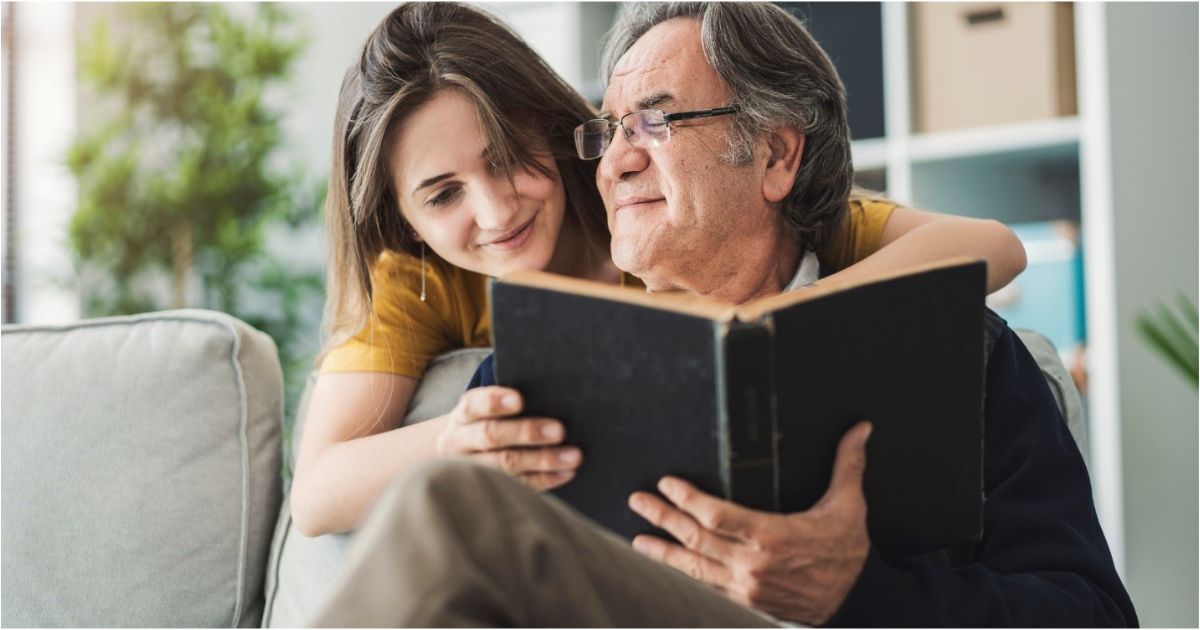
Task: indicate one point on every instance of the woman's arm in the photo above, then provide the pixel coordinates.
(351, 449)
(912, 237)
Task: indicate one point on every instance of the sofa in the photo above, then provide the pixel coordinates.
(144, 474)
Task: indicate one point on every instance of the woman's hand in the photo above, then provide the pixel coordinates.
(481, 428)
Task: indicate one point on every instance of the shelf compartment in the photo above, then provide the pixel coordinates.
(1030, 184)
(1015, 138)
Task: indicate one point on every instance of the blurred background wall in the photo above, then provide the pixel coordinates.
(1074, 123)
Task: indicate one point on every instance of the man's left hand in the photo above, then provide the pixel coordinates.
(795, 567)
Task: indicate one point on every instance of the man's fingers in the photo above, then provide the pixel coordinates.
(720, 516)
(683, 527)
(850, 465)
(518, 461)
(488, 402)
(689, 562)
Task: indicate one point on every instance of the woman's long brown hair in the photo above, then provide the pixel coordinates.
(418, 50)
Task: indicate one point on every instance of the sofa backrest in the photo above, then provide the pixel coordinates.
(141, 471)
(304, 570)
(1061, 385)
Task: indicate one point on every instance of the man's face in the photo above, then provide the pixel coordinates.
(679, 214)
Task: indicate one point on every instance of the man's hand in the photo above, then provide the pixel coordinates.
(481, 428)
(795, 567)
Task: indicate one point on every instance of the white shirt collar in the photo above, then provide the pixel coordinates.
(808, 272)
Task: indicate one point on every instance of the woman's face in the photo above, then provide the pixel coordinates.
(472, 216)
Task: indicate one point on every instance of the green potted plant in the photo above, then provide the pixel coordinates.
(180, 182)
(1172, 335)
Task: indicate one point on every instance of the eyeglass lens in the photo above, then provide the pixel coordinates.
(645, 129)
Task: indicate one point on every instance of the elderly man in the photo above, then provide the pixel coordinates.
(731, 161)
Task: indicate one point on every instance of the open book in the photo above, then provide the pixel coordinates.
(749, 402)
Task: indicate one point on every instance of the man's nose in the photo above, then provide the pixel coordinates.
(497, 205)
(622, 158)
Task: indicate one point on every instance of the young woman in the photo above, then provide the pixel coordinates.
(454, 160)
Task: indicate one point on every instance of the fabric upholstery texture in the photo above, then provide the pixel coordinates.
(141, 462)
(1061, 385)
(304, 570)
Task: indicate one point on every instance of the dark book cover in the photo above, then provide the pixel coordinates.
(749, 402)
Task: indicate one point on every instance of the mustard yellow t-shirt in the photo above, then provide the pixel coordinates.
(404, 333)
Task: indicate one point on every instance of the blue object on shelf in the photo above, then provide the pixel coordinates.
(1048, 296)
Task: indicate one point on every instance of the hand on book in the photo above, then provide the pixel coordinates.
(795, 567)
(482, 427)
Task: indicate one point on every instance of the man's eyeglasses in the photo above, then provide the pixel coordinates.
(644, 129)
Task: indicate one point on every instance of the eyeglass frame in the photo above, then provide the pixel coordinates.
(667, 120)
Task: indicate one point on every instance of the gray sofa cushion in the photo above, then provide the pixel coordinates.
(1061, 385)
(304, 570)
(141, 461)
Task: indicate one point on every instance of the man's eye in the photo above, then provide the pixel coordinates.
(443, 198)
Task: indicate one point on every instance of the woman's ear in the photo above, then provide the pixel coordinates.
(787, 153)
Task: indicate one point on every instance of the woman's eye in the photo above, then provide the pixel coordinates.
(443, 198)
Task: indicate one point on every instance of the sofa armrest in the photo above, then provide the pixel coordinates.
(141, 471)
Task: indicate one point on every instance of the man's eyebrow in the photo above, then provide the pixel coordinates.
(658, 98)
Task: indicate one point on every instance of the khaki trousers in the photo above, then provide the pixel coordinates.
(454, 544)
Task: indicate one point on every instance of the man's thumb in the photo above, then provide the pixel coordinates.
(851, 462)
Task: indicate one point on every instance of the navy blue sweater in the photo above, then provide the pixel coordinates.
(1042, 561)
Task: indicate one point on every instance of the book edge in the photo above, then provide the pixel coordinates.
(683, 303)
(696, 306)
(756, 309)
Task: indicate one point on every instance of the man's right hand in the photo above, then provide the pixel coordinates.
(482, 428)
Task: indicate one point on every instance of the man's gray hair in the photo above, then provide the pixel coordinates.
(780, 77)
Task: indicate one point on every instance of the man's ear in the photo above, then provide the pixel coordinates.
(787, 152)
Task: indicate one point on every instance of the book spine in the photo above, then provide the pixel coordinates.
(747, 418)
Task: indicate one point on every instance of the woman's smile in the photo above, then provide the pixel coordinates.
(513, 239)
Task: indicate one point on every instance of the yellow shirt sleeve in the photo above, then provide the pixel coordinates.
(404, 333)
(860, 233)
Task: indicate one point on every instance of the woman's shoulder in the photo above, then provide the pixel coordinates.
(866, 204)
(861, 231)
(403, 288)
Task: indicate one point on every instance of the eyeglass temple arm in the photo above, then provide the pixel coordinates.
(720, 111)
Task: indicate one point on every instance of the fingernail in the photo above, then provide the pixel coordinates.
(552, 431)
(570, 456)
(640, 544)
(511, 401)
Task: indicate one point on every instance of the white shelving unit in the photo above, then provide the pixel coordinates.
(920, 169)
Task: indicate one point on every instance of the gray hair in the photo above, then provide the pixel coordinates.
(780, 77)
